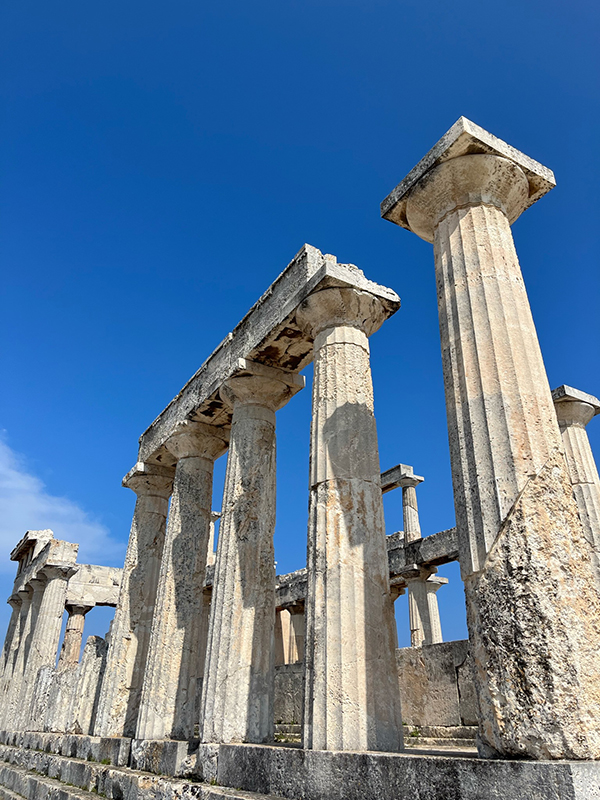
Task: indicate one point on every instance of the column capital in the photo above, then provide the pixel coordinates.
(150, 479)
(77, 609)
(472, 180)
(57, 571)
(264, 386)
(340, 306)
(193, 439)
(465, 139)
(574, 407)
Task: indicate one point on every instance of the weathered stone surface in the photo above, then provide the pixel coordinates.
(168, 703)
(71, 646)
(84, 707)
(237, 691)
(431, 683)
(288, 705)
(93, 586)
(351, 696)
(318, 775)
(130, 631)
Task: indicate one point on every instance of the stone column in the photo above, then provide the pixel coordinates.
(423, 610)
(45, 633)
(12, 634)
(237, 692)
(71, 648)
(574, 409)
(168, 704)
(351, 696)
(130, 632)
(13, 669)
(532, 607)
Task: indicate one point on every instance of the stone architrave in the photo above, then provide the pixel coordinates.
(533, 609)
(237, 692)
(130, 632)
(352, 700)
(45, 634)
(168, 704)
(574, 409)
(71, 646)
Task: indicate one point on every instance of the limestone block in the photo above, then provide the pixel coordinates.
(288, 706)
(428, 685)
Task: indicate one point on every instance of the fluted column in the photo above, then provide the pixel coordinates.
(237, 692)
(45, 634)
(533, 610)
(574, 409)
(12, 634)
(423, 609)
(168, 704)
(13, 668)
(130, 632)
(351, 692)
(71, 647)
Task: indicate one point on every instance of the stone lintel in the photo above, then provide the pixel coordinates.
(565, 394)
(392, 478)
(94, 585)
(466, 138)
(55, 554)
(267, 335)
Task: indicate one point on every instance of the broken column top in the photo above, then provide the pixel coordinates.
(29, 541)
(466, 138)
(565, 394)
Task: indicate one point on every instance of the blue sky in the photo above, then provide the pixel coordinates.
(163, 162)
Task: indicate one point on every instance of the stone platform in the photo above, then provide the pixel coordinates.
(43, 766)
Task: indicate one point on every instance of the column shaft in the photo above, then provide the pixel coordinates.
(71, 647)
(237, 693)
(13, 670)
(130, 632)
(169, 702)
(351, 693)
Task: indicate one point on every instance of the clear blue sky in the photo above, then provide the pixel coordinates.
(163, 162)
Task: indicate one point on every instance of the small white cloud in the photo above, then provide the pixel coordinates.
(26, 504)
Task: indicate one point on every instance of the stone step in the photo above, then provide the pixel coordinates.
(430, 741)
(34, 775)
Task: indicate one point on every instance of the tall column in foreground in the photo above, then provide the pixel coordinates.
(130, 632)
(574, 409)
(351, 692)
(168, 705)
(533, 609)
(237, 692)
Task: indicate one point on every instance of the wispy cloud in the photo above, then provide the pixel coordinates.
(26, 504)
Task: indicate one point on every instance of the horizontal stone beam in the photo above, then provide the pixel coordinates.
(94, 586)
(392, 478)
(267, 335)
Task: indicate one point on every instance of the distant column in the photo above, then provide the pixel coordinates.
(71, 648)
(533, 609)
(130, 632)
(237, 692)
(12, 634)
(168, 704)
(45, 633)
(574, 409)
(12, 672)
(351, 693)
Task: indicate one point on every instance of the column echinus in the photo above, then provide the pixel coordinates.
(130, 632)
(574, 409)
(351, 691)
(169, 703)
(533, 610)
(237, 692)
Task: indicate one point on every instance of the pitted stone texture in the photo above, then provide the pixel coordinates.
(534, 619)
(237, 691)
(574, 410)
(168, 707)
(351, 695)
(130, 632)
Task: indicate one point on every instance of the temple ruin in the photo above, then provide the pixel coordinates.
(219, 678)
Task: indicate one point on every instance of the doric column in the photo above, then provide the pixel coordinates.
(423, 610)
(45, 632)
(351, 693)
(168, 704)
(13, 667)
(130, 632)
(237, 692)
(410, 509)
(12, 634)
(574, 409)
(532, 606)
(71, 647)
